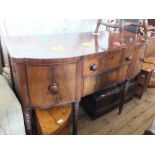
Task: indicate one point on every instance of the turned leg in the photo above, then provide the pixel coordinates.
(28, 121)
(124, 93)
(75, 117)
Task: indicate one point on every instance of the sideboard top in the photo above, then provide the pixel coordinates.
(68, 45)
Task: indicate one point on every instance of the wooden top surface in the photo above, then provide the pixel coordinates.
(148, 67)
(53, 119)
(68, 45)
(150, 60)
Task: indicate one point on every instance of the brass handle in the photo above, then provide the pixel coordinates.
(53, 88)
(93, 67)
(128, 58)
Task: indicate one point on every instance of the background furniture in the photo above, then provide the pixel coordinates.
(151, 130)
(11, 117)
(130, 25)
(62, 68)
(109, 98)
(145, 76)
(53, 121)
(109, 24)
(150, 49)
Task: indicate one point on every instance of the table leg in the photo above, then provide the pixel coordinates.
(28, 121)
(125, 91)
(75, 117)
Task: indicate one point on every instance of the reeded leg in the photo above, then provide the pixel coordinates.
(125, 91)
(75, 117)
(28, 121)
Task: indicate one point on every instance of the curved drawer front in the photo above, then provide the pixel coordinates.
(49, 85)
(104, 62)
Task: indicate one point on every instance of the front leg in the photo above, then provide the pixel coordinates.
(75, 117)
(124, 93)
(27, 113)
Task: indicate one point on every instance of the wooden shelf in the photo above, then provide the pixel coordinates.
(54, 120)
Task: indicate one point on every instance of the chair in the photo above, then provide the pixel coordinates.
(143, 81)
(150, 49)
(109, 24)
(131, 25)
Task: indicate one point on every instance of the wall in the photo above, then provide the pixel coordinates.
(14, 27)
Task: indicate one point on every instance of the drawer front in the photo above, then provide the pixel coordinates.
(98, 82)
(50, 85)
(105, 62)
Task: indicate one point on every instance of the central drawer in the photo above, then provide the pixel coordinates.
(105, 70)
(104, 62)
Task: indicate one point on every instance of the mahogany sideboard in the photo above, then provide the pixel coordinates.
(50, 70)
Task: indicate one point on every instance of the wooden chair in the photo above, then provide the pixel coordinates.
(53, 121)
(109, 24)
(143, 81)
(131, 25)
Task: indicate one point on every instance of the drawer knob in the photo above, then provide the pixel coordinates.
(128, 58)
(142, 59)
(53, 88)
(93, 67)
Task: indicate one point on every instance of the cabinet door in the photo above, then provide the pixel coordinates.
(49, 85)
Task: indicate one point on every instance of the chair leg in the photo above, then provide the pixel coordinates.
(99, 21)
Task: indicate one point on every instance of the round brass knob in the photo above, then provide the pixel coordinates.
(93, 67)
(128, 58)
(53, 88)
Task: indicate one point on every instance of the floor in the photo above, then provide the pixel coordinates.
(137, 116)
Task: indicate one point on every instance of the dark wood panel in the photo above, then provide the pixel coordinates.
(103, 63)
(49, 85)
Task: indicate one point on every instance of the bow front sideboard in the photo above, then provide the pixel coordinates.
(50, 70)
